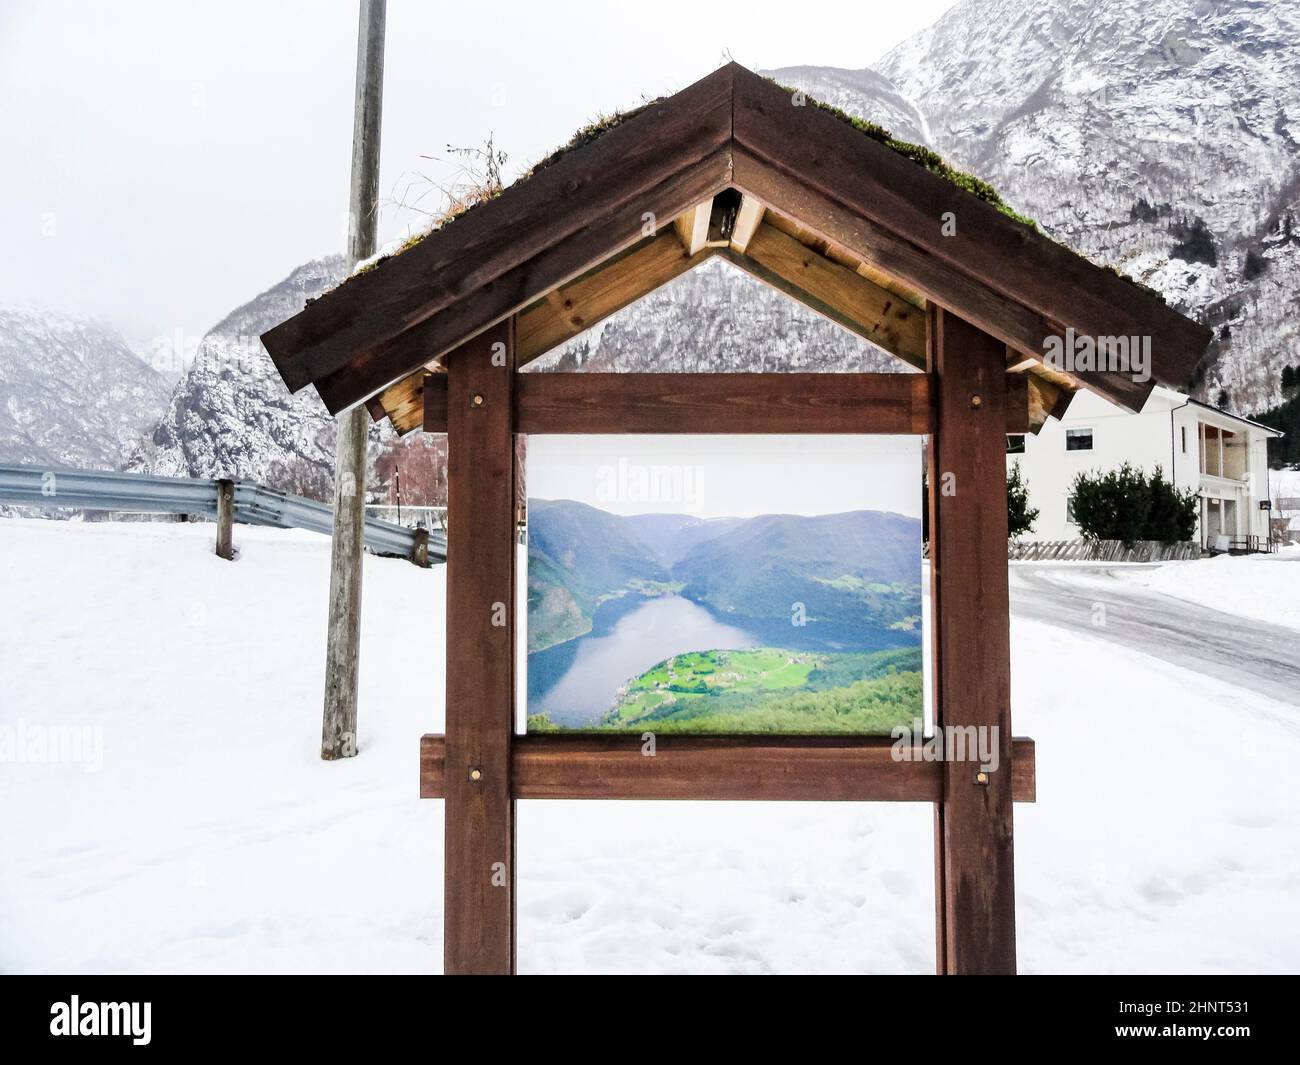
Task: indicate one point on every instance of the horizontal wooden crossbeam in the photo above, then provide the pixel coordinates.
(722, 403)
(576, 403)
(773, 768)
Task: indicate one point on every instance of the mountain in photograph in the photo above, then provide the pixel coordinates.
(860, 568)
(671, 536)
(72, 392)
(672, 623)
(579, 557)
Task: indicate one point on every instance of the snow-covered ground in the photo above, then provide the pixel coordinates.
(199, 831)
(1265, 587)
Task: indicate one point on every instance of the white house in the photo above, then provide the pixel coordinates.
(1221, 456)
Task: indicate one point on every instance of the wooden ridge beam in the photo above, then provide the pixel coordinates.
(747, 221)
(722, 768)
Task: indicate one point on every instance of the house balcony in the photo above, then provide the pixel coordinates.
(1211, 485)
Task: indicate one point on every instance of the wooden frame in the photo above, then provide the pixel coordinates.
(823, 210)
(481, 767)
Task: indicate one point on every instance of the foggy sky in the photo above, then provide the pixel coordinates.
(165, 162)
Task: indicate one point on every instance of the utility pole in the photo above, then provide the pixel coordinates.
(343, 644)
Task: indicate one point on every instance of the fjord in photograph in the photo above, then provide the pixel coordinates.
(724, 584)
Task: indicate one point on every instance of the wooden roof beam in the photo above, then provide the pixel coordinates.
(1042, 400)
(835, 291)
(566, 311)
(577, 306)
(402, 403)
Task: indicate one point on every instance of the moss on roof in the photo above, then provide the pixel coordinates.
(919, 154)
(936, 164)
(580, 139)
(916, 153)
(588, 134)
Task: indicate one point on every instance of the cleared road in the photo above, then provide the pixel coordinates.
(1250, 654)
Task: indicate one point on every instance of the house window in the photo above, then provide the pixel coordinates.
(1078, 440)
(1015, 443)
(1183, 430)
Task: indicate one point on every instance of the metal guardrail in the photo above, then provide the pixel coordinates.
(254, 504)
(431, 518)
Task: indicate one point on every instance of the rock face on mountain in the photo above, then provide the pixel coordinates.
(72, 393)
(849, 90)
(717, 319)
(231, 415)
(1158, 136)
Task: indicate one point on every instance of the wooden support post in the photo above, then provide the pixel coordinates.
(479, 899)
(420, 550)
(975, 896)
(226, 520)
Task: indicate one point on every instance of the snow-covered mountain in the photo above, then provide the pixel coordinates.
(847, 89)
(72, 393)
(1159, 136)
(231, 416)
(717, 319)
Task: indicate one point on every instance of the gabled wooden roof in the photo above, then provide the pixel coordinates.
(732, 166)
